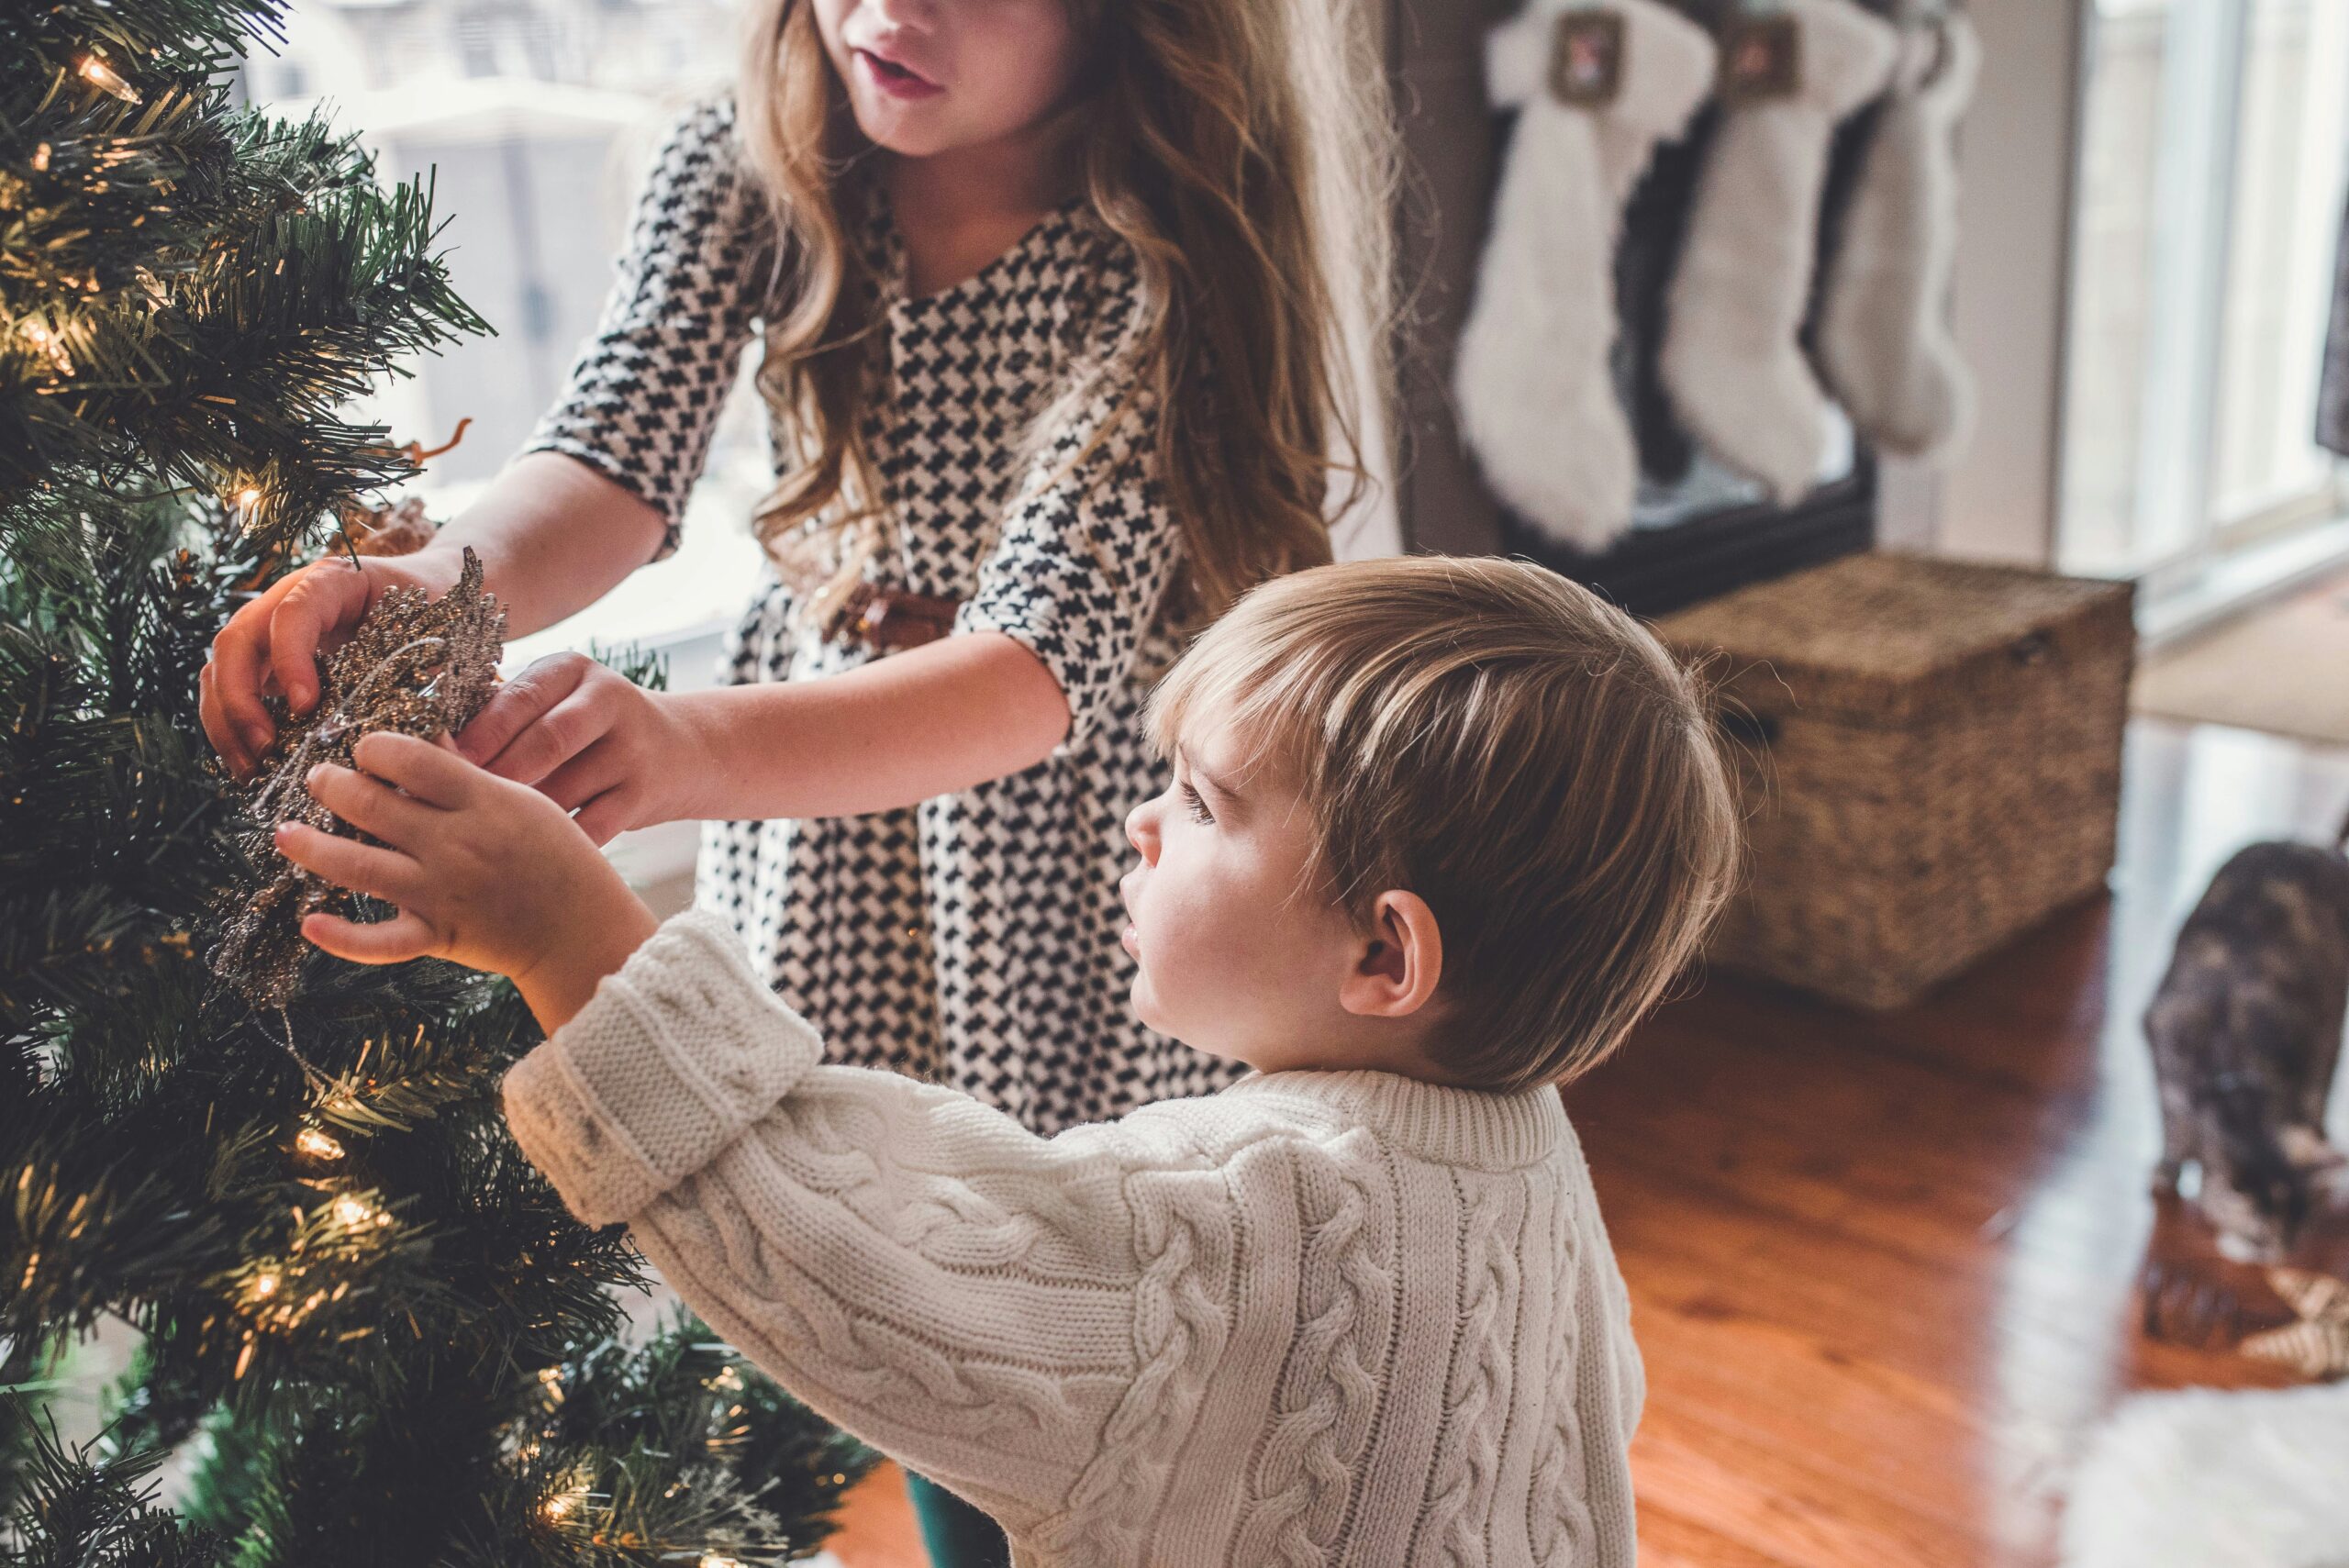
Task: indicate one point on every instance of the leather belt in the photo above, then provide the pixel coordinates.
(891, 618)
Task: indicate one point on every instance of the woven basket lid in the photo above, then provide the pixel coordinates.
(1888, 637)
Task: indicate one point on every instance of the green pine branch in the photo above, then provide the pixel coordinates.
(348, 1281)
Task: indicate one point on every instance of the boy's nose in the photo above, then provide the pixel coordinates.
(1142, 832)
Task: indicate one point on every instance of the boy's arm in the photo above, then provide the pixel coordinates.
(1012, 1315)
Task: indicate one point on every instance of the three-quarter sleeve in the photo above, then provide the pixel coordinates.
(1083, 554)
(644, 395)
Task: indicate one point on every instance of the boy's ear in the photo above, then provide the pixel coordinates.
(1400, 964)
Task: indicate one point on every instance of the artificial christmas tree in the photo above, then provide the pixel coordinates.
(370, 1331)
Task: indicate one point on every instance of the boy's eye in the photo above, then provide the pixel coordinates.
(1200, 812)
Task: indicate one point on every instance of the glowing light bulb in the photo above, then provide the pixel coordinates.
(316, 1144)
(98, 74)
(560, 1503)
(719, 1559)
(49, 343)
(265, 1285)
(351, 1211)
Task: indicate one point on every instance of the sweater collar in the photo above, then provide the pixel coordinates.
(1473, 1128)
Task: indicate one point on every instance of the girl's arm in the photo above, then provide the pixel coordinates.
(1044, 642)
(602, 484)
(1044, 645)
(553, 536)
(928, 721)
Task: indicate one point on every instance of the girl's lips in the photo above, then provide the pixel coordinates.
(1131, 940)
(894, 79)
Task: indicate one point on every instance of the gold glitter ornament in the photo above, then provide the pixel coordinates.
(401, 529)
(417, 666)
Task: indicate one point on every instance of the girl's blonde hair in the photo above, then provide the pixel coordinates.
(1243, 149)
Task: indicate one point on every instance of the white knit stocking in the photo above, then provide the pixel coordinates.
(1730, 360)
(1883, 336)
(1537, 402)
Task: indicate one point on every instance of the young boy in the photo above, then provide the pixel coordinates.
(1440, 831)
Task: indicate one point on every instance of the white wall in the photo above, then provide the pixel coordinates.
(1996, 501)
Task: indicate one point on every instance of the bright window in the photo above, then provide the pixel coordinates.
(533, 119)
(2209, 217)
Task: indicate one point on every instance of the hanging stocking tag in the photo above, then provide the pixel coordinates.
(1943, 50)
(1761, 58)
(1586, 58)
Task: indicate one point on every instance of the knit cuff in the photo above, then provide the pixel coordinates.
(667, 1064)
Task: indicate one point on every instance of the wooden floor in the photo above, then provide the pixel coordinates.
(1883, 1268)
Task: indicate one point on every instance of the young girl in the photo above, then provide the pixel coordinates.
(1050, 297)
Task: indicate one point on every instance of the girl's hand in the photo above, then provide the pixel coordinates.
(274, 643)
(487, 872)
(590, 739)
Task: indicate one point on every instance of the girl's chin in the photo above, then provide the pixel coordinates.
(894, 130)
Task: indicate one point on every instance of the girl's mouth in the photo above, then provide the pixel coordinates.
(896, 80)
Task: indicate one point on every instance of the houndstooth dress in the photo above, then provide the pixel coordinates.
(971, 939)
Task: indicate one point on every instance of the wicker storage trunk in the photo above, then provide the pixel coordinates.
(1930, 754)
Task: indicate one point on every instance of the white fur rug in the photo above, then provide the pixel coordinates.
(2205, 1479)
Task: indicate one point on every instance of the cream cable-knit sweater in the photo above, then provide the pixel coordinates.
(1320, 1318)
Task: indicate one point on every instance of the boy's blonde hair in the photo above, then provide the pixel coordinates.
(1523, 756)
(1244, 150)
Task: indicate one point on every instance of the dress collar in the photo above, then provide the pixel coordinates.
(887, 252)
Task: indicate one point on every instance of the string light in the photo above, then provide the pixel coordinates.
(354, 1212)
(49, 343)
(264, 1285)
(241, 508)
(719, 1559)
(98, 74)
(316, 1144)
(560, 1503)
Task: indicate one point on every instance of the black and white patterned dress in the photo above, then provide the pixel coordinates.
(971, 939)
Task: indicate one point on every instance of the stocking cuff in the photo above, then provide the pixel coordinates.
(1668, 63)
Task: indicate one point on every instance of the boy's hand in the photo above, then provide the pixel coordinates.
(487, 872)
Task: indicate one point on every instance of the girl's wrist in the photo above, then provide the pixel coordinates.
(694, 749)
(436, 567)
